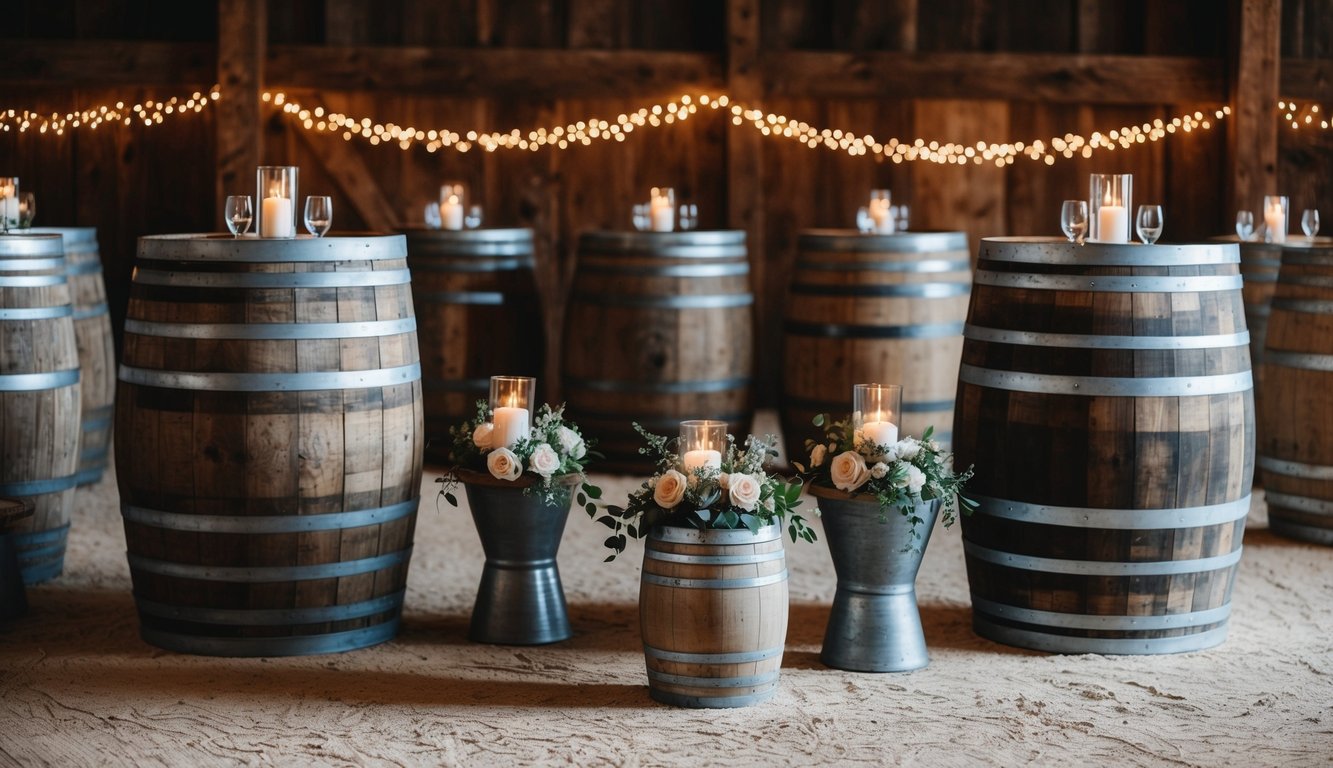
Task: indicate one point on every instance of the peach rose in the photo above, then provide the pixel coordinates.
(670, 489)
(745, 491)
(849, 471)
(503, 464)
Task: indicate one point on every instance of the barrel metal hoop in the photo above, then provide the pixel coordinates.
(89, 455)
(30, 382)
(455, 385)
(907, 290)
(33, 265)
(476, 298)
(272, 331)
(1309, 533)
(31, 540)
(32, 281)
(1260, 277)
(1322, 507)
(1096, 341)
(659, 387)
(90, 311)
(1306, 361)
(727, 269)
(1109, 283)
(37, 313)
(1259, 261)
(737, 657)
(747, 583)
(1101, 567)
(837, 241)
(332, 642)
(257, 524)
(677, 301)
(673, 557)
(272, 382)
(1312, 281)
(1295, 468)
(676, 534)
(1308, 306)
(744, 681)
(844, 331)
(489, 261)
(1045, 641)
(1099, 386)
(1086, 621)
(1027, 250)
(1114, 519)
(254, 250)
(356, 279)
(259, 574)
(924, 266)
(271, 617)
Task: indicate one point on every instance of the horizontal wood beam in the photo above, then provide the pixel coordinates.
(1307, 79)
(97, 63)
(1072, 79)
(551, 73)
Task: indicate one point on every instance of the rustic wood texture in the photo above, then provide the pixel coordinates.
(1253, 144)
(242, 37)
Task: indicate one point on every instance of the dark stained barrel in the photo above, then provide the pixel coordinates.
(658, 329)
(269, 442)
(1105, 397)
(866, 308)
(478, 315)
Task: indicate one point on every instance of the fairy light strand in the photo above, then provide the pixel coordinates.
(149, 112)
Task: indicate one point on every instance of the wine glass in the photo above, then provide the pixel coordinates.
(28, 210)
(1309, 222)
(432, 213)
(473, 218)
(318, 214)
(1074, 219)
(239, 212)
(640, 216)
(864, 223)
(1244, 224)
(689, 216)
(1148, 223)
(901, 217)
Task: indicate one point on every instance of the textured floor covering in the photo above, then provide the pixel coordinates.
(78, 686)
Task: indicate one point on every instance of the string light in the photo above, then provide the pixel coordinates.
(1303, 116)
(148, 112)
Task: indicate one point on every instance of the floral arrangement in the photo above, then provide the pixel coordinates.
(899, 475)
(549, 460)
(738, 494)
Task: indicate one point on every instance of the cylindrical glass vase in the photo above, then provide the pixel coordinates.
(453, 203)
(876, 410)
(702, 442)
(881, 211)
(1110, 200)
(662, 209)
(276, 194)
(1275, 218)
(9, 203)
(511, 408)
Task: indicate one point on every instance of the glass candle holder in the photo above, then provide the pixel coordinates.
(9, 203)
(1275, 218)
(453, 202)
(511, 408)
(702, 442)
(1110, 199)
(881, 211)
(275, 189)
(662, 209)
(875, 413)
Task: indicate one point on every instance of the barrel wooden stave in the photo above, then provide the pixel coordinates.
(881, 308)
(241, 506)
(1093, 504)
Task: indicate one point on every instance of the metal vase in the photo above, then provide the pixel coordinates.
(520, 600)
(874, 625)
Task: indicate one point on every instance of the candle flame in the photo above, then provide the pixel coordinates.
(1107, 199)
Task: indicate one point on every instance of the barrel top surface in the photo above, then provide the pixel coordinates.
(898, 242)
(1058, 250)
(649, 241)
(23, 246)
(72, 235)
(720, 536)
(13, 510)
(469, 236)
(223, 247)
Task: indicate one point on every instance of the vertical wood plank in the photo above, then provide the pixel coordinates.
(745, 179)
(240, 140)
(1253, 137)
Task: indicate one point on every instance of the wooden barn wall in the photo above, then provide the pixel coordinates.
(141, 180)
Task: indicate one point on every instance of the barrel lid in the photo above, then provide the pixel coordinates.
(82, 236)
(1058, 250)
(220, 246)
(918, 241)
(24, 246)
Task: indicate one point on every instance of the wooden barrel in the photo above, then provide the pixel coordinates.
(1295, 452)
(97, 352)
(865, 308)
(713, 615)
(1105, 397)
(478, 316)
(268, 442)
(659, 328)
(39, 398)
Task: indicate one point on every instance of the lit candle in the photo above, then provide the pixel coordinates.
(1275, 220)
(511, 425)
(879, 431)
(451, 213)
(277, 216)
(9, 196)
(882, 216)
(663, 218)
(701, 457)
(1112, 221)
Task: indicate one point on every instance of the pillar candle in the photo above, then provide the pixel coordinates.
(451, 213)
(879, 432)
(278, 220)
(882, 216)
(511, 425)
(663, 218)
(701, 457)
(1276, 223)
(1113, 224)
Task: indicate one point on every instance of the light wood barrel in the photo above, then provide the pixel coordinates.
(1105, 397)
(713, 615)
(478, 316)
(1295, 451)
(39, 398)
(659, 329)
(874, 308)
(269, 442)
(97, 351)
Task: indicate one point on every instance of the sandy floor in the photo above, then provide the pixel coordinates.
(78, 686)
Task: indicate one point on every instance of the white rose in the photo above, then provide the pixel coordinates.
(745, 490)
(908, 448)
(544, 460)
(849, 471)
(916, 480)
(481, 436)
(503, 464)
(817, 456)
(879, 470)
(571, 443)
(670, 489)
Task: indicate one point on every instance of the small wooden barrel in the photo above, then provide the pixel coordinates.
(1296, 413)
(874, 308)
(478, 316)
(659, 329)
(97, 352)
(713, 615)
(268, 442)
(39, 398)
(1105, 398)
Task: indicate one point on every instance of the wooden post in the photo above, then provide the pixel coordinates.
(1252, 146)
(242, 37)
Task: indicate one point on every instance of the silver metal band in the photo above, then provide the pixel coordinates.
(251, 249)
(261, 524)
(1294, 468)
(272, 617)
(1096, 341)
(1086, 621)
(272, 382)
(1306, 361)
(30, 382)
(1053, 643)
(676, 301)
(1308, 306)
(33, 265)
(1098, 386)
(658, 387)
(249, 574)
(1109, 283)
(92, 310)
(475, 298)
(930, 266)
(839, 331)
(744, 681)
(37, 313)
(1113, 519)
(842, 240)
(1313, 281)
(359, 279)
(680, 535)
(329, 642)
(738, 657)
(906, 290)
(472, 262)
(1322, 507)
(1052, 250)
(39, 487)
(32, 281)
(1294, 530)
(271, 331)
(1101, 567)
(705, 243)
(727, 269)
(679, 583)
(672, 557)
